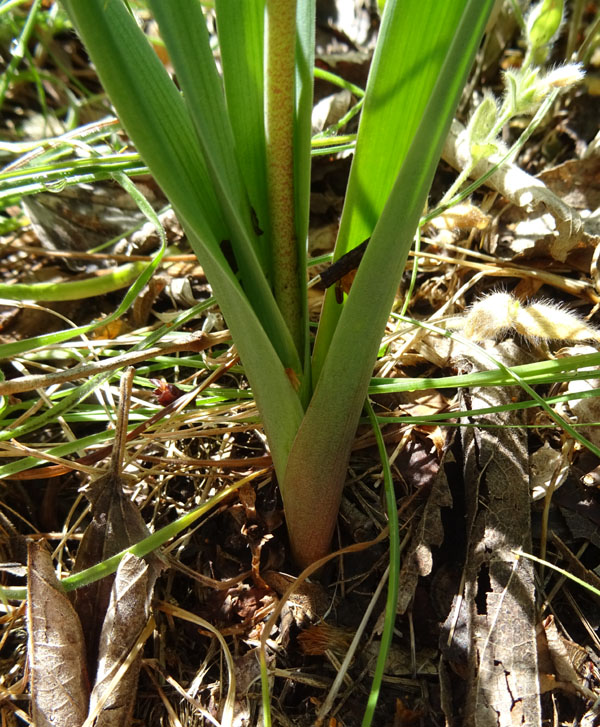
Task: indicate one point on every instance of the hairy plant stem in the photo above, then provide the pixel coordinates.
(279, 110)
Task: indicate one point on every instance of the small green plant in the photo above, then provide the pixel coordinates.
(525, 88)
(232, 152)
(233, 156)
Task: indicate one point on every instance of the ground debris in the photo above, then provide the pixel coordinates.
(495, 613)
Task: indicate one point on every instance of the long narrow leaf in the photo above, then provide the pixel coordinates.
(317, 462)
(408, 58)
(394, 569)
(150, 108)
(241, 41)
(186, 38)
(185, 35)
(154, 114)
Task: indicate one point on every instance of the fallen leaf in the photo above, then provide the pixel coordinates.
(116, 525)
(568, 660)
(499, 595)
(428, 532)
(57, 662)
(127, 614)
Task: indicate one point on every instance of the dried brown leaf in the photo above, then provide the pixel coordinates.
(59, 685)
(84, 217)
(428, 531)
(499, 600)
(116, 524)
(127, 614)
(557, 228)
(565, 661)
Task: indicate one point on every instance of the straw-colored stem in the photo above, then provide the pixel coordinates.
(279, 107)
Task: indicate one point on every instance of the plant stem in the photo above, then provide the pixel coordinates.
(19, 50)
(279, 110)
(76, 289)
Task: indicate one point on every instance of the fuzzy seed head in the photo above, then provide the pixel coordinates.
(491, 317)
(500, 313)
(550, 322)
(565, 76)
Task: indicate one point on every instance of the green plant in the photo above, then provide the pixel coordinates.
(226, 158)
(526, 89)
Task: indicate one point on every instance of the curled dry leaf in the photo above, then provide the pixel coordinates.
(116, 524)
(448, 227)
(547, 468)
(59, 684)
(559, 228)
(428, 534)
(127, 614)
(329, 110)
(564, 661)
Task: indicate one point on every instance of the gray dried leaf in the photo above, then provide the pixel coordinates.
(502, 673)
(127, 614)
(59, 684)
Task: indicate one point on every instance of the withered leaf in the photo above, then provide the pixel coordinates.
(343, 266)
(127, 614)
(59, 685)
(116, 524)
(85, 216)
(567, 660)
(499, 597)
(428, 531)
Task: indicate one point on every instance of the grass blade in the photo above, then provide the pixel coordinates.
(394, 570)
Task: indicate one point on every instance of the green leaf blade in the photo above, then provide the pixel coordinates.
(321, 450)
(241, 41)
(150, 108)
(186, 38)
(406, 64)
(155, 116)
